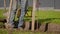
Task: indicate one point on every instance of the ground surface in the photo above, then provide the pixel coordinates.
(4, 31)
(43, 17)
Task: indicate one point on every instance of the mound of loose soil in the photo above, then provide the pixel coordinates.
(54, 27)
(51, 27)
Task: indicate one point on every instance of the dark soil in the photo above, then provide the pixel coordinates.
(51, 27)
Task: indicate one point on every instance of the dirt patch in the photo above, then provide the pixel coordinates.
(54, 27)
(46, 27)
(50, 27)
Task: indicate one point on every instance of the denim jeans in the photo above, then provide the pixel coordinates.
(23, 7)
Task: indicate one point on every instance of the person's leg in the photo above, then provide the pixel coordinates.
(23, 10)
(12, 14)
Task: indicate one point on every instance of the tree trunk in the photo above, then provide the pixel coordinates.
(27, 24)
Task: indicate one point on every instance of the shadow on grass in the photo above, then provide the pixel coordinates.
(46, 20)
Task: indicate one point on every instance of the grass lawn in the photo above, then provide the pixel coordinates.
(42, 16)
(4, 31)
(1, 13)
(47, 16)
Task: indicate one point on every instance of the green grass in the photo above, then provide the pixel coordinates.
(50, 15)
(4, 31)
(42, 16)
(46, 16)
(1, 13)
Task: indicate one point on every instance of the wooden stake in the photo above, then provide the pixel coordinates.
(8, 25)
(10, 7)
(5, 5)
(33, 14)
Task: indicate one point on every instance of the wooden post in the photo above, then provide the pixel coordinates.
(10, 7)
(5, 5)
(33, 14)
(8, 25)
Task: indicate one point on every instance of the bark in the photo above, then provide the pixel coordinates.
(27, 24)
